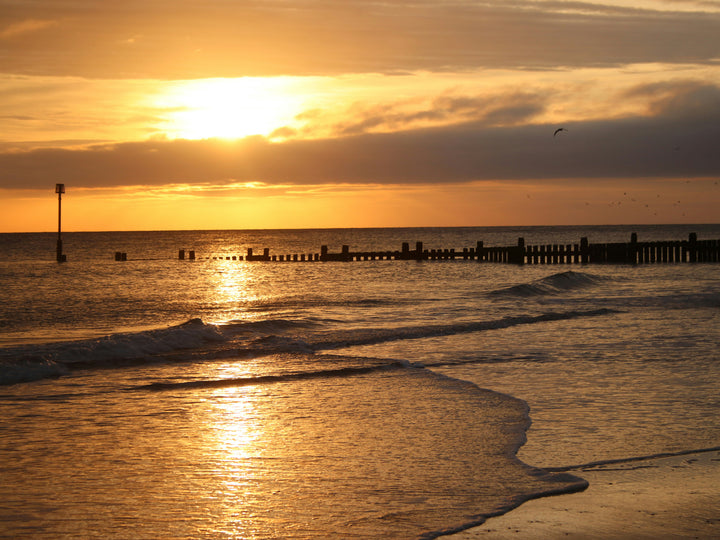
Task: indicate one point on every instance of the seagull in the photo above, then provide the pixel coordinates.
(558, 130)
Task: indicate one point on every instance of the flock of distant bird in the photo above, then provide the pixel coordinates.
(619, 203)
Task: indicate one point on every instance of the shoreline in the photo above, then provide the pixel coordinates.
(655, 497)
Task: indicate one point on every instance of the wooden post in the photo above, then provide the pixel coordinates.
(584, 250)
(518, 257)
(633, 249)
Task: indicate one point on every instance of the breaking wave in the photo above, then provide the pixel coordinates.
(551, 285)
(34, 362)
(196, 341)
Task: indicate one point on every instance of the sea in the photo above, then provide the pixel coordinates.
(217, 398)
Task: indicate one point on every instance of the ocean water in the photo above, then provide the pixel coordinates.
(159, 398)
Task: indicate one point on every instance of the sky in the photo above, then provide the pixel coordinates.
(235, 114)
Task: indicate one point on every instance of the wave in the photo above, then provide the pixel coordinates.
(551, 285)
(303, 303)
(196, 341)
(678, 300)
(34, 362)
(622, 461)
(269, 326)
(336, 340)
(271, 379)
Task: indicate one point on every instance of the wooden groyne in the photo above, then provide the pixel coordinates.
(691, 250)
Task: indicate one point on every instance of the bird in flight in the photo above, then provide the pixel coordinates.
(558, 130)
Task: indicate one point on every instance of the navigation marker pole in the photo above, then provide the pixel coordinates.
(60, 189)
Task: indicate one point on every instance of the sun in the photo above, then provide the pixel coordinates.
(228, 108)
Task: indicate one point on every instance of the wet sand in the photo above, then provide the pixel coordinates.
(664, 498)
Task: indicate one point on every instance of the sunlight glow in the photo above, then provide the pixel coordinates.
(229, 108)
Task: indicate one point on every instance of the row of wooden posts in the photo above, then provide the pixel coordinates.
(633, 252)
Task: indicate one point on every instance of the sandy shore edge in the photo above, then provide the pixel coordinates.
(670, 497)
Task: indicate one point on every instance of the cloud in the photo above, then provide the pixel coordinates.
(187, 39)
(491, 109)
(681, 140)
(678, 98)
(25, 27)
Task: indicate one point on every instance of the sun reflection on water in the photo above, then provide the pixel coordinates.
(233, 287)
(233, 433)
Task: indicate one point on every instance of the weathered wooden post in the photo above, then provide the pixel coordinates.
(633, 249)
(584, 250)
(519, 257)
(60, 189)
(692, 248)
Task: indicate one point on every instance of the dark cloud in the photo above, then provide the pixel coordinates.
(506, 108)
(189, 39)
(678, 98)
(680, 141)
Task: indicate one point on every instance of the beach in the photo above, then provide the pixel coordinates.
(675, 497)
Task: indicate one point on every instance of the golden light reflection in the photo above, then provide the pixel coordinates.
(234, 422)
(235, 287)
(229, 108)
(232, 282)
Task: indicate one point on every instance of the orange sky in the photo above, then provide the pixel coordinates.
(304, 113)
